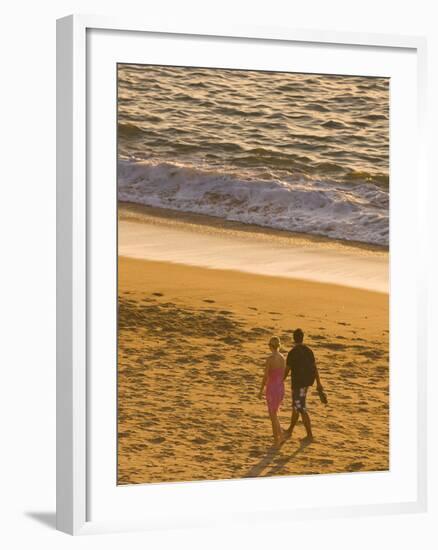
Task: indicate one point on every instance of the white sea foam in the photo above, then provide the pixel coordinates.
(353, 212)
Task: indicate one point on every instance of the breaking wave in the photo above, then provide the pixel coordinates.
(353, 212)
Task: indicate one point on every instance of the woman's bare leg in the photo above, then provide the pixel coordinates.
(279, 430)
(276, 428)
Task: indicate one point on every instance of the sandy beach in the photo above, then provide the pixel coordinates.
(193, 333)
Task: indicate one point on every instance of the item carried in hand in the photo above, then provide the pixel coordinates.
(322, 395)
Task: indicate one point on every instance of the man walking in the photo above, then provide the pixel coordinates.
(301, 364)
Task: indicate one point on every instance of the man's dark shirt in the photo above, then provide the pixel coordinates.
(301, 361)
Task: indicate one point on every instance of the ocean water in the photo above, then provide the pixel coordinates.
(299, 152)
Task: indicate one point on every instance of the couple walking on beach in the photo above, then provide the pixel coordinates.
(301, 364)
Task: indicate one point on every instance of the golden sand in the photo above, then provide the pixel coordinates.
(192, 345)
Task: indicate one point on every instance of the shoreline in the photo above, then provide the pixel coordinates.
(198, 240)
(150, 214)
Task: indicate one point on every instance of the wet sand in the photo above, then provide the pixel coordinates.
(205, 241)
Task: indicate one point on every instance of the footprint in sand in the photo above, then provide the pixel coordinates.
(210, 301)
(227, 447)
(215, 357)
(325, 461)
(255, 453)
(334, 346)
(253, 308)
(156, 440)
(382, 369)
(230, 340)
(199, 441)
(355, 466)
(157, 294)
(372, 353)
(332, 426)
(260, 330)
(166, 454)
(184, 360)
(346, 373)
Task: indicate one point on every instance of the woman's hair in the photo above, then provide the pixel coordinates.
(274, 342)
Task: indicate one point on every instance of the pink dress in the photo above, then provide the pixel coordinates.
(274, 389)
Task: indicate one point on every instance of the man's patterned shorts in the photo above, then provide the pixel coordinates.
(299, 398)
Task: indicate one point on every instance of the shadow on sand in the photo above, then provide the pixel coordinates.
(258, 469)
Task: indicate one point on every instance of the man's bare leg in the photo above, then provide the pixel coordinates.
(306, 421)
(293, 421)
(279, 430)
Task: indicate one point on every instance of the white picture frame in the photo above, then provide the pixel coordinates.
(75, 215)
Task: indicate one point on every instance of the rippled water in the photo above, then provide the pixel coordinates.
(299, 152)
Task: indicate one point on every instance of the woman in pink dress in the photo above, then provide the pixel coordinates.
(273, 379)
